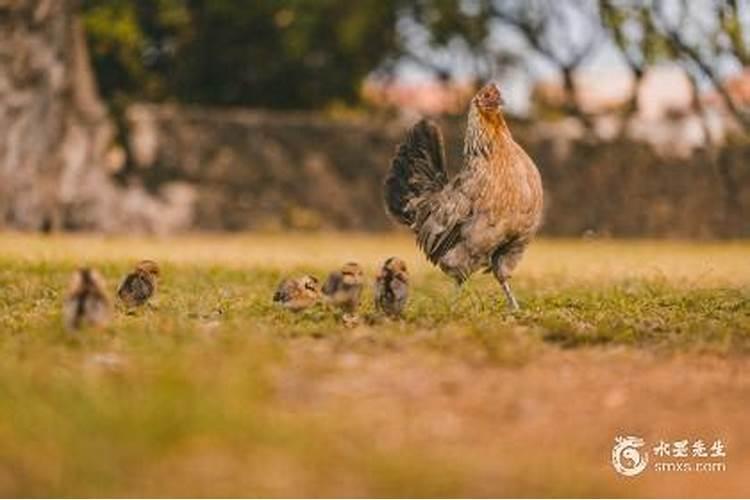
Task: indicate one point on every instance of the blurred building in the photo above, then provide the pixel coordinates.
(420, 97)
(665, 116)
(738, 88)
(664, 91)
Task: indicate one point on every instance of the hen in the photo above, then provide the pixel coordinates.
(486, 215)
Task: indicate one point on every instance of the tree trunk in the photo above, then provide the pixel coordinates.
(55, 133)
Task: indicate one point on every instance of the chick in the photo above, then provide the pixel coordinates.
(297, 294)
(392, 287)
(343, 288)
(86, 302)
(140, 285)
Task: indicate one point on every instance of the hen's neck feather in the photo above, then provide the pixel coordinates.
(487, 135)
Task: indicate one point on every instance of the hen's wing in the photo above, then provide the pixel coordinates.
(418, 193)
(440, 221)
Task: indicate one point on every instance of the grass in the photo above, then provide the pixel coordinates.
(215, 392)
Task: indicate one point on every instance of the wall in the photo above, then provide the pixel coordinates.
(256, 170)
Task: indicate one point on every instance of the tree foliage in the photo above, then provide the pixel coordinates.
(310, 53)
(265, 53)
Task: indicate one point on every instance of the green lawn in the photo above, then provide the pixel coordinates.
(215, 392)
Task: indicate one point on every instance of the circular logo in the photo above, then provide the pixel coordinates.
(626, 459)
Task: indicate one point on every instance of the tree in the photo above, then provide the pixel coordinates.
(561, 34)
(703, 38)
(261, 53)
(56, 133)
(55, 129)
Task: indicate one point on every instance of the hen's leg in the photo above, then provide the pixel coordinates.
(512, 302)
(502, 277)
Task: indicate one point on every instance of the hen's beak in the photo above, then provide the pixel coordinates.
(490, 97)
(499, 95)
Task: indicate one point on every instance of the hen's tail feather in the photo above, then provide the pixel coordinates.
(417, 169)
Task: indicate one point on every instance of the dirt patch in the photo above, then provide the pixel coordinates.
(544, 428)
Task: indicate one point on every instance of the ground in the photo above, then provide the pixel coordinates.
(215, 392)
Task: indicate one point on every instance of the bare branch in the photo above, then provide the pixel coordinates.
(535, 31)
(691, 54)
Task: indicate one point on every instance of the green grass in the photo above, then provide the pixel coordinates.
(215, 392)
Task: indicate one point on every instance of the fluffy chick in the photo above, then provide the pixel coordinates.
(343, 288)
(139, 285)
(392, 287)
(297, 294)
(86, 302)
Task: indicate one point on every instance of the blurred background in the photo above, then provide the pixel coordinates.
(164, 116)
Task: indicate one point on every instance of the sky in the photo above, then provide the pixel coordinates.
(517, 82)
(603, 64)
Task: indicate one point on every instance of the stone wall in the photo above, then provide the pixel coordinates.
(256, 170)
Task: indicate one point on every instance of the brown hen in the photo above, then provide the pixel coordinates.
(486, 215)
